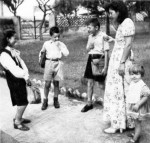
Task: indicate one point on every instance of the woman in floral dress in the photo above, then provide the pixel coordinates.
(120, 60)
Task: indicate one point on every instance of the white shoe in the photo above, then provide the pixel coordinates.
(110, 130)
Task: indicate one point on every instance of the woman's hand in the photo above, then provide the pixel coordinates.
(28, 82)
(135, 108)
(104, 71)
(121, 69)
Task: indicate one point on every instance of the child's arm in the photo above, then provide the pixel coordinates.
(63, 49)
(108, 38)
(90, 44)
(104, 71)
(42, 50)
(145, 95)
(140, 103)
(10, 65)
(106, 54)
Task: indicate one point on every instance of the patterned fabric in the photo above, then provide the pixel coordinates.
(143, 91)
(116, 86)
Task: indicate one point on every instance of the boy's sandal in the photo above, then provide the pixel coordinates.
(24, 121)
(21, 127)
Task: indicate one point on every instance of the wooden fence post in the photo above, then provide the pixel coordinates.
(34, 27)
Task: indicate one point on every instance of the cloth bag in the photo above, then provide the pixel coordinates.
(97, 66)
(34, 95)
(42, 59)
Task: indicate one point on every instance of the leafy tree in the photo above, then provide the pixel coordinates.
(94, 6)
(13, 5)
(67, 7)
(45, 6)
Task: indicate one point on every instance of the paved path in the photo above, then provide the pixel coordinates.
(64, 125)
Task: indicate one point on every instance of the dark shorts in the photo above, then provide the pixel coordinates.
(88, 71)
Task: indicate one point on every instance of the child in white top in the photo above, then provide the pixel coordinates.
(17, 77)
(98, 51)
(53, 65)
(136, 99)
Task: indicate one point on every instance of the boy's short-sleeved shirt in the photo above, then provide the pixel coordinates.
(100, 46)
(54, 50)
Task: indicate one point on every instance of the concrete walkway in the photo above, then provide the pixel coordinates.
(64, 125)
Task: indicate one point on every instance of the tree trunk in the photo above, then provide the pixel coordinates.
(15, 11)
(41, 25)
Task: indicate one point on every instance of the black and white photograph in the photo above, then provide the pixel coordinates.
(74, 71)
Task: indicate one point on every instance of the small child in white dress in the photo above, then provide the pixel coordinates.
(137, 99)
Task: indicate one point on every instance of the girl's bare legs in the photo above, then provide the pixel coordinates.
(137, 130)
(18, 119)
(19, 114)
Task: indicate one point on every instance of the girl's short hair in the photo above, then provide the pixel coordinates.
(53, 30)
(7, 34)
(118, 6)
(137, 69)
(94, 21)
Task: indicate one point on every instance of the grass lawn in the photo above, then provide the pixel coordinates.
(76, 61)
(74, 64)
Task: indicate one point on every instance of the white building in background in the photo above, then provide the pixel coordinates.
(1, 8)
(27, 10)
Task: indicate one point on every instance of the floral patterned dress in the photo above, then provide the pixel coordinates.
(116, 86)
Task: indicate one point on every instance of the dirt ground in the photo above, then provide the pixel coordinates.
(64, 125)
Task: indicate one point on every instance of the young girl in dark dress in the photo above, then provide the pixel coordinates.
(17, 77)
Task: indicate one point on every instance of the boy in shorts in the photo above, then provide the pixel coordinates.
(98, 51)
(53, 65)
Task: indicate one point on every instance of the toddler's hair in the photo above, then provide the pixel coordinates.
(137, 69)
(53, 30)
(94, 22)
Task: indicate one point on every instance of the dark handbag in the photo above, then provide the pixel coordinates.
(43, 59)
(97, 66)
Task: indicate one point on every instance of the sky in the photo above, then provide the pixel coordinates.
(26, 10)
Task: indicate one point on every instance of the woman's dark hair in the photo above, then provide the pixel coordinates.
(94, 22)
(118, 6)
(7, 34)
(53, 30)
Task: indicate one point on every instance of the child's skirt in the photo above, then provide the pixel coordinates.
(143, 112)
(88, 71)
